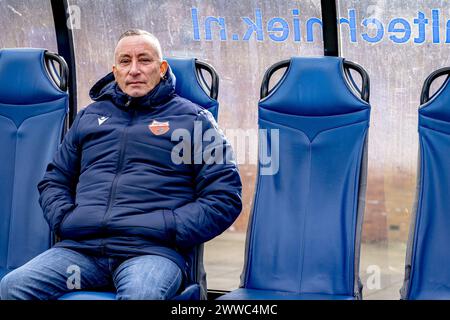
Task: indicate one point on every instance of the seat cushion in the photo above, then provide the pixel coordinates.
(191, 292)
(438, 294)
(89, 295)
(252, 294)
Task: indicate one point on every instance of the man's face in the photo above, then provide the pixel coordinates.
(137, 68)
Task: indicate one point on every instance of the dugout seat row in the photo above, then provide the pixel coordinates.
(304, 234)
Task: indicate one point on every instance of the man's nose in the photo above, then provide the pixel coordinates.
(134, 68)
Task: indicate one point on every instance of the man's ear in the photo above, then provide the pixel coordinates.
(163, 68)
(114, 70)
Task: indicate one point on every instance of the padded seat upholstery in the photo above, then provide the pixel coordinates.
(303, 237)
(427, 276)
(32, 114)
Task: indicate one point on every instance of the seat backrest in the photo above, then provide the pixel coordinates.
(304, 230)
(32, 113)
(427, 275)
(190, 85)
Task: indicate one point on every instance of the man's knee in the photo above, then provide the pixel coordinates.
(147, 278)
(4, 289)
(150, 290)
(11, 286)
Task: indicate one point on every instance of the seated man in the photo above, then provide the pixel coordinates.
(122, 204)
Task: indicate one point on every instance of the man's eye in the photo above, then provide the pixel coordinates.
(125, 61)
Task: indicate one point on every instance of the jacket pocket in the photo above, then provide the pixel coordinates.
(158, 225)
(66, 214)
(58, 215)
(80, 222)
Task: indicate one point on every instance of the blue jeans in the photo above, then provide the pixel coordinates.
(58, 271)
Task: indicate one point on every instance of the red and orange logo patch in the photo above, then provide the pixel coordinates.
(159, 128)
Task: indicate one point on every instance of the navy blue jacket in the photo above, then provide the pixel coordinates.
(112, 188)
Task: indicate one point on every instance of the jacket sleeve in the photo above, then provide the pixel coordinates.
(57, 188)
(218, 191)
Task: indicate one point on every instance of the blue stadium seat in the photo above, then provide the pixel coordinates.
(303, 238)
(190, 84)
(427, 275)
(33, 108)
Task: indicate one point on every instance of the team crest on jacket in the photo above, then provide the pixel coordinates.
(159, 128)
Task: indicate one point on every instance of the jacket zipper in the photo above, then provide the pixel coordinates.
(112, 194)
